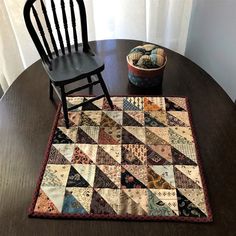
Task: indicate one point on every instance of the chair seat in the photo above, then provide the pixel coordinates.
(74, 66)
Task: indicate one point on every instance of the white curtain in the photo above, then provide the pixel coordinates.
(164, 22)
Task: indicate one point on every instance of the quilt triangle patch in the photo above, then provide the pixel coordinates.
(185, 132)
(61, 121)
(79, 157)
(83, 196)
(111, 196)
(83, 137)
(156, 181)
(55, 175)
(152, 138)
(136, 115)
(157, 207)
(55, 157)
(174, 120)
(44, 204)
(112, 172)
(139, 196)
(187, 208)
(163, 150)
(196, 196)
(182, 181)
(166, 172)
(113, 150)
(91, 131)
(150, 105)
(60, 137)
(153, 158)
(107, 107)
(151, 121)
(128, 138)
(86, 120)
(115, 116)
(69, 104)
(191, 172)
(102, 181)
(130, 106)
(129, 206)
(139, 172)
(168, 197)
(75, 179)
(90, 106)
(104, 158)
(55, 195)
(87, 171)
(180, 159)
(66, 150)
(175, 138)
(188, 150)
(71, 205)
(74, 117)
(89, 149)
(138, 132)
(171, 106)
(181, 102)
(100, 206)
(129, 158)
(129, 181)
(107, 121)
(71, 132)
(71, 101)
(105, 138)
(130, 121)
(97, 103)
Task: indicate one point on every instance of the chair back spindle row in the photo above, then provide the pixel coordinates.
(48, 55)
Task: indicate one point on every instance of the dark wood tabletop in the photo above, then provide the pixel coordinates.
(26, 117)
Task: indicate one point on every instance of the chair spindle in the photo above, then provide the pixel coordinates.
(49, 27)
(83, 25)
(74, 24)
(65, 25)
(57, 27)
(41, 32)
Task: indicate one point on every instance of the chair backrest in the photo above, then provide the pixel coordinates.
(47, 55)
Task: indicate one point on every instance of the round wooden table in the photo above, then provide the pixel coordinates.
(26, 117)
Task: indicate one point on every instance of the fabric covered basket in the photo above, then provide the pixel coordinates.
(145, 77)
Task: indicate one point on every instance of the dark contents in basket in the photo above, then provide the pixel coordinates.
(148, 56)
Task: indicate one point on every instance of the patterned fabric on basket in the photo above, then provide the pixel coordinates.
(138, 161)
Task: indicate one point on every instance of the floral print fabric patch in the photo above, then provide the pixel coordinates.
(137, 161)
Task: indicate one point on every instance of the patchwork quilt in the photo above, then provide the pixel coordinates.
(137, 161)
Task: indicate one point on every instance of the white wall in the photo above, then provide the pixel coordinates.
(212, 41)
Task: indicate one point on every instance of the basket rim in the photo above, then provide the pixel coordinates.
(143, 69)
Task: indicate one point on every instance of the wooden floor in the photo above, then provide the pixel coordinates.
(26, 117)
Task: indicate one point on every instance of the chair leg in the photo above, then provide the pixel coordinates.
(50, 90)
(89, 79)
(104, 88)
(64, 106)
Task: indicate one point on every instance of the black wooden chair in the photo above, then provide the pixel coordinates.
(69, 62)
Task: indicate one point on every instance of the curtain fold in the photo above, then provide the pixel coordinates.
(164, 22)
(11, 64)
